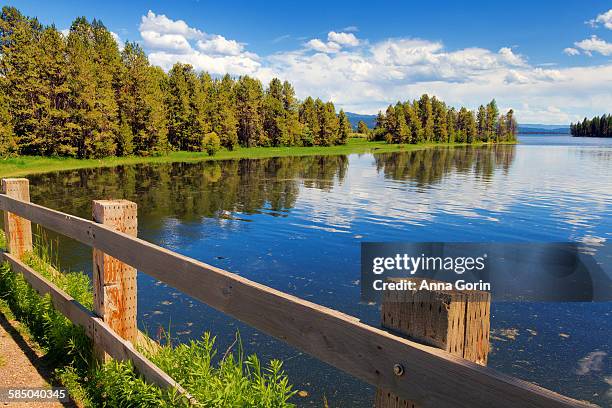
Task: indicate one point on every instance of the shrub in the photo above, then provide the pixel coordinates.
(211, 143)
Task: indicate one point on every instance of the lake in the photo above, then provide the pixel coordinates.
(296, 223)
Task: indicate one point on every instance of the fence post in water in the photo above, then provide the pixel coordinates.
(114, 282)
(18, 231)
(454, 321)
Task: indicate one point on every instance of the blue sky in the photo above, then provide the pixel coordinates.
(550, 61)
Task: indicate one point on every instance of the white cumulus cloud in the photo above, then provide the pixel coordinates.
(571, 51)
(335, 42)
(363, 76)
(220, 45)
(595, 44)
(510, 57)
(320, 46)
(604, 19)
(159, 23)
(170, 41)
(343, 38)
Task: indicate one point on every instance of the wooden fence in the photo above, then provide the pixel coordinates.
(406, 372)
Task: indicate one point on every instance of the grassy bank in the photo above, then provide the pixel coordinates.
(24, 165)
(229, 379)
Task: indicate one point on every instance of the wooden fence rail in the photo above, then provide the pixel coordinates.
(94, 326)
(429, 377)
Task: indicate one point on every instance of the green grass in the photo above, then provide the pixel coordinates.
(231, 380)
(24, 165)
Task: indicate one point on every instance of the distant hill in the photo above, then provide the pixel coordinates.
(525, 128)
(354, 118)
(547, 127)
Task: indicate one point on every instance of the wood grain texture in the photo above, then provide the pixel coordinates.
(18, 230)
(114, 282)
(93, 326)
(452, 320)
(478, 326)
(434, 378)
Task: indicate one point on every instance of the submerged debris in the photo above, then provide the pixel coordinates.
(504, 334)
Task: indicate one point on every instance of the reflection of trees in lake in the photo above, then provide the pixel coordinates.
(192, 190)
(429, 166)
(189, 191)
(219, 189)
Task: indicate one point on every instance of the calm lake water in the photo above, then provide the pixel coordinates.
(295, 224)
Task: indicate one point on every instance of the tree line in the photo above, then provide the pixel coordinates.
(430, 120)
(79, 95)
(598, 126)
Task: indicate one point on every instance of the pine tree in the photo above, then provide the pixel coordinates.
(319, 108)
(492, 114)
(131, 99)
(466, 126)
(8, 145)
(390, 125)
(439, 119)
(471, 131)
(380, 120)
(481, 126)
(329, 125)
(81, 80)
(178, 105)
(362, 128)
(426, 115)
(594, 131)
(153, 138)
(595, 127)
(292, 121)
(125, 138)
(220, 109)
(249, 103)
(379, 128)
(92, 58)
(309, 117)
(200, 124)
(402, 132)
(451, 122)
(274, 122)
(502, 128)
(54, 96)
(414, 122)
(344, 128)
(19, 36)
(107, 63)
(511, 125)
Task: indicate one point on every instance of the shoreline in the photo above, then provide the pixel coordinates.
(28, 165)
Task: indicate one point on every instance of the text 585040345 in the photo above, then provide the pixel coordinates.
(34, 394)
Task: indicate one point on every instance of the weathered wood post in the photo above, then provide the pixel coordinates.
(18, 230)
(114, 282)
(455, 321)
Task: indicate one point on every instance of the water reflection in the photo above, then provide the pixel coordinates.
(189, 191)
(431, 165)
(295, 224)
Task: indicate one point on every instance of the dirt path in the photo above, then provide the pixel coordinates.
(22, 366)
